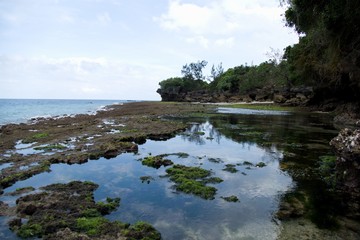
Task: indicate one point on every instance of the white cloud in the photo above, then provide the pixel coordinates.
(217, 24)
(79, 77)
(218, 17)
(201, 40)
(197, 19)
(104, 18)
(225, 42)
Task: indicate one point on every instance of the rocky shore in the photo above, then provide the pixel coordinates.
(296, 96)
(30, 149)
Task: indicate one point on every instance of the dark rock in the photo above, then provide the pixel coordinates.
(347, 148)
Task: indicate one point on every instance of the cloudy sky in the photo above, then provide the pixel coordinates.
(122, 49)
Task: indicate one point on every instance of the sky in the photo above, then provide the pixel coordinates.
(122, 49)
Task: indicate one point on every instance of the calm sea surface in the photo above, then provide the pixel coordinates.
(290, 144)
(21, 110)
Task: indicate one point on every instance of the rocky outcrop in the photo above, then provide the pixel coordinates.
(347, 148)
(292, 97)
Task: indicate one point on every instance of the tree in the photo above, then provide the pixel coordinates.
(216, 72)
(193, 71)
(328, 53)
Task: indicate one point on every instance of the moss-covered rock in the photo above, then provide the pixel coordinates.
(230, 168)
(231, 198)
(193, 180)
(156, 161)
(71, 206)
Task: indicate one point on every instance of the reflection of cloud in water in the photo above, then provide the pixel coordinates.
(260, 229)
(203, 230)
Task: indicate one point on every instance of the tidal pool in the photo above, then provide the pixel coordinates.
(289, 145)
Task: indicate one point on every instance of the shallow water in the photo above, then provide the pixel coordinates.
(275, 139)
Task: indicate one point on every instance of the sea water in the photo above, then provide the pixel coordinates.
(22, 110)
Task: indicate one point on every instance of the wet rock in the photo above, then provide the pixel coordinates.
(67, 234)
(3, 208)
(68, 211)
(347, 148)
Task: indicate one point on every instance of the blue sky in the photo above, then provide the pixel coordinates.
(122, 49)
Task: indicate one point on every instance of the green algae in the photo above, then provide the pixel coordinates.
(25, 189)
(156, 161)
(91, 226)
(35, 137)
(51, 147)
(22, 175)
(30, 231)
(110, 205)
(199, 133)
(247, 163)
(193, 180)
(231, 198)
(142, 230)
(22, 190)
(268, 107)
(215, 160)
(230, 168)
(260, 164)
(146, 179)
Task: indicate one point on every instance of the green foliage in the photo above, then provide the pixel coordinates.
(244, 79)
(327, 55)
(193, 71)
(181, 85)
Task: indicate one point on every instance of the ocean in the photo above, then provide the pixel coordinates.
(22, 110)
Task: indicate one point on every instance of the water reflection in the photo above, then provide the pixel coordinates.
(231, 139)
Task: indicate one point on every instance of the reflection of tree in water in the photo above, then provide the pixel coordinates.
(198, 133)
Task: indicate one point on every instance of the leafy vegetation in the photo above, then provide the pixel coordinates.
(238, 80)
(327, 55)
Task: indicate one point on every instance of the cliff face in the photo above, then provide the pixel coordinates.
(294, 96)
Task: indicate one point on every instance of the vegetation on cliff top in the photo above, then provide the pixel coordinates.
(326, 58)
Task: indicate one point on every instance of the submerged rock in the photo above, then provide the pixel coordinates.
(347, 148)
